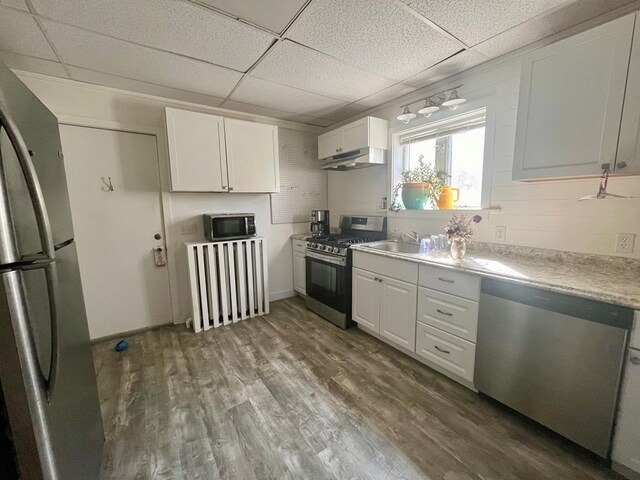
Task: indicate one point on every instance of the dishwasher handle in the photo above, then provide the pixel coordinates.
(585, 308)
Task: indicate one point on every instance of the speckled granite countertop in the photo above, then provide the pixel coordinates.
(609, 279)
(300, 236)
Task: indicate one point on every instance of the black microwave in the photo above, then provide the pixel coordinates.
(229, 226)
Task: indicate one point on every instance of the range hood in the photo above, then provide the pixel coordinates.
(364, 157)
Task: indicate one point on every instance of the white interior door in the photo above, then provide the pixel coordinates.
(114, 230)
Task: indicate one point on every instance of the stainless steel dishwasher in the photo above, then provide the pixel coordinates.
(554, 358)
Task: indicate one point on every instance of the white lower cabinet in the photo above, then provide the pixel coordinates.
(398, 312)
(449, 352)
(626, 442)
(366, 299)
(299, 266)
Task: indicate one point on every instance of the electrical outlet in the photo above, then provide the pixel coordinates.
(382, 203)
(501, 234)
(624, 242)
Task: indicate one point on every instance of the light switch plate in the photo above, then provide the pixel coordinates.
(624, 242)
(501, 233)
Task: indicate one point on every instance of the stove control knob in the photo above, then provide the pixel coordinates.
(322, 247)
(313, 245)
(335, 249)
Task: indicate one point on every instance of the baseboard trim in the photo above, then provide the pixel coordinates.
(135, 331)
(625, 471)
(281, 295)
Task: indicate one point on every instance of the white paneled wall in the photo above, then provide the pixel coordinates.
(541, 214)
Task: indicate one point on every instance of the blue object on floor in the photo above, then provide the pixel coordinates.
(122, 345)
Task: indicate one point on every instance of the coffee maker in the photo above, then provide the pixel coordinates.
(319, 222)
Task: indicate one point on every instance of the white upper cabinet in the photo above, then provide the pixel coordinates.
(252, 156)
(363, 133)
(196, 151)
(208, 153)
(570, 103)
(628, 159)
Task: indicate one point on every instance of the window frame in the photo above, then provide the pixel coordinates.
(396, 152)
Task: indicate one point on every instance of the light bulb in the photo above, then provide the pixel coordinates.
(430, 107)
(406, 116)
(454, 100)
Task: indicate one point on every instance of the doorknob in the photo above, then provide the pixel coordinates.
(157, 236)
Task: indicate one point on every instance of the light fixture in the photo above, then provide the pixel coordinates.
(406, 116)
(430, 107)
(454, 100)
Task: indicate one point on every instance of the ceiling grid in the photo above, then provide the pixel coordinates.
(313, 61)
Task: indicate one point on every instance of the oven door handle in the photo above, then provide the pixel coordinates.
(334, 260)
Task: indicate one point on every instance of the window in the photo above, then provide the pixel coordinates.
(454, 146)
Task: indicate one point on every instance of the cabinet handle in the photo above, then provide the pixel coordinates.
(224, 187)
(621, 164)
(442, 350)
(444, 313)
(230, 188)
(634, 360)
(446, 280)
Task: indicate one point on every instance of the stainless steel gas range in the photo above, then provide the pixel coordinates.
(328, 262)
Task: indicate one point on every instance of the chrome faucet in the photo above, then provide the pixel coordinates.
(413, 235)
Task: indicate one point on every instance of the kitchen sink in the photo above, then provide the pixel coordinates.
(396, 247)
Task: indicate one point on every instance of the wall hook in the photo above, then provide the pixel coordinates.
(108, 185)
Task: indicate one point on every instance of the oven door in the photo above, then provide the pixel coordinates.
(328, 280)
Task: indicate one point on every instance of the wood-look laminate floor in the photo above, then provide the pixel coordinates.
(289, 395)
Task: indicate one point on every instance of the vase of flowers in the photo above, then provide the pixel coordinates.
(418, 187)
(460, 230)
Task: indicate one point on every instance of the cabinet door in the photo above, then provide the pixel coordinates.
(570, 103)
(299, 273)
(197, 156)
(398, 312)
(628, 160)
(252, 156)
(355, 135)
(329, 144)
(365, 300)
(626, 444)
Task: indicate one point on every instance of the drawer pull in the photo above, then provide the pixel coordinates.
(442, 350)
(448, 314)
(635, 360)
(298, 244)
(446, 280)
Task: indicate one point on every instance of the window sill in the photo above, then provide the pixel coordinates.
(440, 213)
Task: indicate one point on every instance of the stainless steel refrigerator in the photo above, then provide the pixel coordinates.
(48, 388)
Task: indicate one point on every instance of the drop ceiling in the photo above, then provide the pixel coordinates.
(312, 61)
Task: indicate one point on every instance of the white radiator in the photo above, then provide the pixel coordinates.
(229, 281)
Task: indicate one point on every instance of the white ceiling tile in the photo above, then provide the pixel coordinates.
(104, 54)
(318, 122)
(473, 21)
(273, 15)
(32, 64)
(297, 66)
(21, 4)
(458, 63)
(560, 19)
(104, 79)
(386, 95)
(613, 4)
(257, 110)
(170, 25)
(345, 112)
(19, 33)
(273, 95)
(379, 36)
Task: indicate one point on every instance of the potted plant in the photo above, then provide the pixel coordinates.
(418, 187)
(460, 231)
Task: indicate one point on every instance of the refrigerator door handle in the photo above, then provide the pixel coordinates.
(46, 237)
(33, 184)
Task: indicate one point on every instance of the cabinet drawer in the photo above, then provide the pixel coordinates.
(299, 245)
(448, 351)
(389, 267)
(449, 281)
(455, 315)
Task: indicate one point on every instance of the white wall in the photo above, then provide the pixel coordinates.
(89, 104)
(541, 214)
